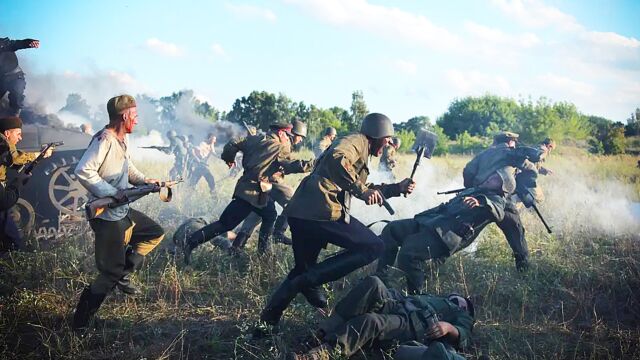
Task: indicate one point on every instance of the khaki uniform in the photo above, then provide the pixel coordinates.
(321, 146)
(372, 312)
(12, 156)
(325, 195)
(437, 233)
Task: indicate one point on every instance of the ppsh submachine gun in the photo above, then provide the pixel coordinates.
(98, 206)
(164, 149)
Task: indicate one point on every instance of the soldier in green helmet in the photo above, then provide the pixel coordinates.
(319, 214)
(330, 134)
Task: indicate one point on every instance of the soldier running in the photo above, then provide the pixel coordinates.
(11, 76)
(330, 134)
(371, 312)
(319, 214)
(200, 168)
(123, 236)
(281, 193)
(263, 157)
(444, 230)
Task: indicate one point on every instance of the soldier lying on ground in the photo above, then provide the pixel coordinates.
(373, 314)
(319, 215)
(123, 236)
(444, 230)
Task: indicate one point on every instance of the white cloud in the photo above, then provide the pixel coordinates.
(218, 50)
(489, 35)
(476, 83)
(252, 12)
(163, 48)
(565, 85)
(536, 14)
(381, 20)
(405, 66)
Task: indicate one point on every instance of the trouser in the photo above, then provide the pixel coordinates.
(368, 312)
(137, 231)
(435, 351)
(412, 244)
(202, 171)
(280, 193)
(9, 234)
(233, 214)
(14, 84)
(513, 230)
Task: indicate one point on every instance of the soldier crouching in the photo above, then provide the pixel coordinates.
(123, 236)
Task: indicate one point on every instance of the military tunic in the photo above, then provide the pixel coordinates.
(371, 311)
(437, 233)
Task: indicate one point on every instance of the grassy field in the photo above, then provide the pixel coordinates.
(579, 300)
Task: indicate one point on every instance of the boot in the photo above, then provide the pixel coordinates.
(331, 269)
(87, 307)
(279, 228)
(133, 263)
(281, 238)
(315, 296)
(241, 240)
(278, 302)
(200, 237)
(264, 243)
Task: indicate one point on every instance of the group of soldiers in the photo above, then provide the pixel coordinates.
(318, 214)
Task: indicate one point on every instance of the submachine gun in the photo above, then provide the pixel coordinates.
(26, 169)
(164, 149)
(98, 206)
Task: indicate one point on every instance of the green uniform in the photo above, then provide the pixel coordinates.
(321, 146)
(372, 312)
(437, 233)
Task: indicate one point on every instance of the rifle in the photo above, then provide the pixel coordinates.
(164, 149)
(455, 191)
(544, 222)
(28, 168)
(98, 206)
(529, 201)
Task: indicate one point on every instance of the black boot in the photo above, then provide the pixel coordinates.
(278, 231)
(315, 296)
(87, 307)
(133, 263)
(278, 302)
(331, 269)
(200, 237)
(281, 238)
(264, 243)
(241, 240)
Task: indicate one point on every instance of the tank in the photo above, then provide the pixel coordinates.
(53, 198)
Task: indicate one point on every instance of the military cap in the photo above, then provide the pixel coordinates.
(281, 126)
(505, 136)
(117, 104)
(10, 122)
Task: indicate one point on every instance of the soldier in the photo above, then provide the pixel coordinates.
(389, 160)
(502, 153)
(200, 156)
(444, 230)
(178, 148)
(330, 134)
(281, 194)
(123, 236)
(263, 157)
(372, 312)
(11, 76)
(319, 214)
(10, 136)
(547, 146)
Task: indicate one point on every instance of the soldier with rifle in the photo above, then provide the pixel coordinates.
(123, 236)
(442, 231)
(10, 136)
(504, 152)
(263, 157)
(281, 193)
(11, 76)
(199, 167)
(319, 214)
(330, 134)
(178, 148)
(372, 313)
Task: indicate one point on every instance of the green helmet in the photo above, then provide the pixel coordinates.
(299, 128)
(330, 131)
(376, 126)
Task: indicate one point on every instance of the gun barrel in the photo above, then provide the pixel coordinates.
(544, 222)
(455, 191)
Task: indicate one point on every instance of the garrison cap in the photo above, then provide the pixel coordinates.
(117, 104)
(505, 136)
(10, 122)
(281, 125)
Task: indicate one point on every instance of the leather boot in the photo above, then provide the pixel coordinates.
(264, 243)
(241, 240)
(278, 302)
(278, 231)
(281, 238)
(315, 296)
(87, 307)
(200, 237)
(331, 269)
(133, 263)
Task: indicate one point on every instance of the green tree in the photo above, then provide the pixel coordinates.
(414, 124)
(477, 115)
(407, 138)
(633, 124)
(608, 137)
(358, 111)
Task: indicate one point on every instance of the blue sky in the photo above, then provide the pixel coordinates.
(409, 57)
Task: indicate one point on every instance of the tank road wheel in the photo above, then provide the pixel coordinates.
(65, 191)
(24, 216)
